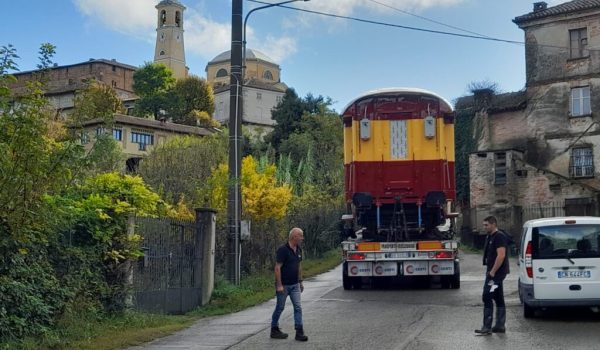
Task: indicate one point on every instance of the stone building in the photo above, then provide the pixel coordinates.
(64, 81)
(262, 89)
(538, 148)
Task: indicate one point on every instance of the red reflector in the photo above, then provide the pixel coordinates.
(443, 255)
(528, 265)
(356, 256)
(570, 222)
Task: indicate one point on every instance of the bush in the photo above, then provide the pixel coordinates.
(31, 297)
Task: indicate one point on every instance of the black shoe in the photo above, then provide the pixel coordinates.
(498, 330)
(300, 336)
(276, 333)
(483, 331)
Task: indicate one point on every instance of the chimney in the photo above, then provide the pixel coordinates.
(539, 6)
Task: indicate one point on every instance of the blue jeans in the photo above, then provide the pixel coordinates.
(497, 295)
(293, 290)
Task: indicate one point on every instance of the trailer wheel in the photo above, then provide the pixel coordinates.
(346, 280)
(456, 277)
(356, 282)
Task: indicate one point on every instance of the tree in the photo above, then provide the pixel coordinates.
(99, 101)
(202, 119)
(96, 101)
(181, 166)
(151, 83)
(288, 114)
(310, 133)
(36, 160)
(318, 144)
(8, 55)
(262, 197)
(190, 96)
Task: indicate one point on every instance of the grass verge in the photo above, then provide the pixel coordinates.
(89, 332)
(259, 288)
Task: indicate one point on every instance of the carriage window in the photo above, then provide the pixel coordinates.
(398, 139)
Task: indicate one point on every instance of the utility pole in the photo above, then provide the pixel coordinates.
(234, 199)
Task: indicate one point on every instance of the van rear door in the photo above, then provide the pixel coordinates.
(566, 261)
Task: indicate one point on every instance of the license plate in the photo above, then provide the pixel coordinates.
(575, 274)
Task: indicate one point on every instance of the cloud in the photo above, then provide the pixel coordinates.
(204, 36)
(368, 9)
(278, 48)
(349, 7)
(131, 17)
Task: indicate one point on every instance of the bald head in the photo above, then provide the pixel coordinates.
(296, 236)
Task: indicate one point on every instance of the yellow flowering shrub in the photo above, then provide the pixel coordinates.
(262, 198)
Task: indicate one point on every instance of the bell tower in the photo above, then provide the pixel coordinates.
(169, 37)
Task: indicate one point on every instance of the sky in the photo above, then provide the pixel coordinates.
(336, 58)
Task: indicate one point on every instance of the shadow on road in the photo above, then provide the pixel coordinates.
(570, 314)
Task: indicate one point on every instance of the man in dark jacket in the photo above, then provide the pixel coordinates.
(288, 281)
(495, 258)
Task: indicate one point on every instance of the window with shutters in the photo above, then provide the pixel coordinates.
(580, 101)
(578, 41)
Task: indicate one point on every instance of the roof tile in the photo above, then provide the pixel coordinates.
(567, 7)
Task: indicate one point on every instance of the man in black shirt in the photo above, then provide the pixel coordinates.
(497, 267)
(288, 281)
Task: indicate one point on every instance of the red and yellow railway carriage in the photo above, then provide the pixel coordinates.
(399, 163)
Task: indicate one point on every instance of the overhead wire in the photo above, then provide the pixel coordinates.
(426, 18)
(390, 24)
(426, 30)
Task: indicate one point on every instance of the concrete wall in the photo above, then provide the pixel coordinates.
(256, 110)
(548, 57)
(525, 184)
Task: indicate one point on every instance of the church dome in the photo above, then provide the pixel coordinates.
(251, 54)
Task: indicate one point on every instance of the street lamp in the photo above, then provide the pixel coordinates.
(236, 83)
(246, 21)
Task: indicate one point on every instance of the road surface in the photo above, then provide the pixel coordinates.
(394, 318)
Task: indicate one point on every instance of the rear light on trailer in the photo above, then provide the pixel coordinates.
(528, 265)
(429, 245)
(443, 255)
(369, 246)
(356, 256)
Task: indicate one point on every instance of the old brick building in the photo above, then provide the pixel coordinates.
(63, 82)
(536, 151)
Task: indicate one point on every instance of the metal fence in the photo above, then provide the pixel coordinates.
(167, 279)
(545, 210)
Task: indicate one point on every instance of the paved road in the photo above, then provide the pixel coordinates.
(393, 319)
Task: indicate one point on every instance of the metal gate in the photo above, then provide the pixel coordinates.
(167, 279)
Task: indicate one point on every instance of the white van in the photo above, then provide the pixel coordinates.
(559, 263)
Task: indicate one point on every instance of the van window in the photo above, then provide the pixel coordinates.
(577, 241)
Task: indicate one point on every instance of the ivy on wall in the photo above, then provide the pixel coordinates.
(464, 144)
